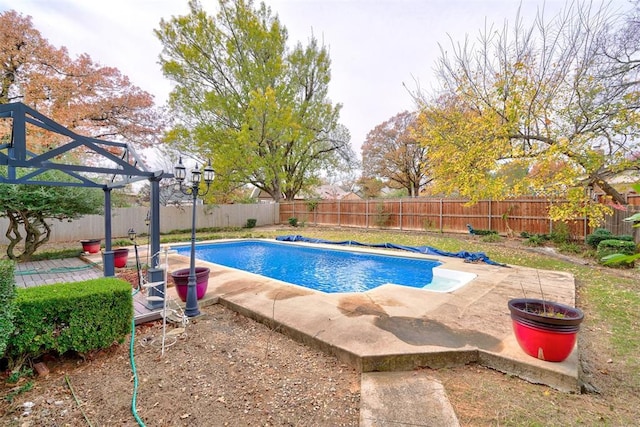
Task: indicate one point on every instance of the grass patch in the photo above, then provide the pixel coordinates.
(56, 254)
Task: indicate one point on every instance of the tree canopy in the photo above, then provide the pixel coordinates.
(558, 99)
(392, 152)
(258, 109)
(85, 97)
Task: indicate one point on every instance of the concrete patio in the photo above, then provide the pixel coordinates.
(398, 328)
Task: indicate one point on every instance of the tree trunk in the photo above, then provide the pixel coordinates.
(609, 190)
(34, 226)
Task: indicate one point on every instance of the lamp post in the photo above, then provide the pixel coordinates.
(192, 189)
(132, 237)
(147, 223)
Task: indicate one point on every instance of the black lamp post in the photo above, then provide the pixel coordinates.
(192, 189)
(132, 236)
(147, 222)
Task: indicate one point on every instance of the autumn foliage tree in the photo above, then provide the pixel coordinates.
(392, 153)
(558, 92)
(259, 109)
(86, 98)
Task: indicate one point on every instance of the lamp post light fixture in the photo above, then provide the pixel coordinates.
(192, 189)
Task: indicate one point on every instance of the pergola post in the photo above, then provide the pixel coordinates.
(154, 273)
(107, 256)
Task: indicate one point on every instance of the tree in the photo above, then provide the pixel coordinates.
(85, 97)
(259, 110)
(28, 206)
(553, 93)
(370, 187)
(392, 152)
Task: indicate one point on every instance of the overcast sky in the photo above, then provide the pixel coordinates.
(376, 46)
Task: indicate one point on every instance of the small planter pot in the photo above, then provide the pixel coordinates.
(120, 257)
(545, 330)
(91, 246)
(181, 280)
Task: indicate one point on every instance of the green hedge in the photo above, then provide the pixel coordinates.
(79, 316)
(615, 246)
(7, 302)
(600, 234)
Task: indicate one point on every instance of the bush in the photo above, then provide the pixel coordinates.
(598, 235)
(615, 246)
(561, 234)
(383, 217)
(570, 248)
(491, 238)
(536, 239)
(79, 316)
(7, 302)
(601, 234)
(251, 222)
(293, 222)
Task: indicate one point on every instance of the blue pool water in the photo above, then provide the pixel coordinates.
(325, 270)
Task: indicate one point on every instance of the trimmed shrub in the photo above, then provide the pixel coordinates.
(615, 246)
(251, 222)
(7, 302)
(79, 316)
(293, 222)
(598, 235)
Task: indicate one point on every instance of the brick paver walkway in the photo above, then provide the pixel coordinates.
(37, 273)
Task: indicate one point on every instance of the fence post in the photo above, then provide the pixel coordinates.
(489, 214)
(366, 213)
(441, 214)
(338, 212)
(400, 213)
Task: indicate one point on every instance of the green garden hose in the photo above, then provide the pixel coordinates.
(134, 411)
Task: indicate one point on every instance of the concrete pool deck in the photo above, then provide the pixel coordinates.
(398, 328)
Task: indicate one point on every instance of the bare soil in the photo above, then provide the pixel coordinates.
(226, 369)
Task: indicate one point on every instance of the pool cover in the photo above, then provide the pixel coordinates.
(427, 250)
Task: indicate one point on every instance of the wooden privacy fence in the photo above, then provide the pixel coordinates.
(445, 215)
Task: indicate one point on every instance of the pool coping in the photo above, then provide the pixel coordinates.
(399, 328)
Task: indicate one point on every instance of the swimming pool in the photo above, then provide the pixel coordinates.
(329, 270)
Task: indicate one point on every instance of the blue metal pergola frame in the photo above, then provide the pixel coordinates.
(121, 170)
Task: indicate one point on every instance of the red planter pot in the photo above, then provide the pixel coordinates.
(544, 337)
(120, 257)
(91, 246)
(181, 280)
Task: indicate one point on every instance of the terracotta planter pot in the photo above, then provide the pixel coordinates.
(545, 330)
(120, 257)
(181, 280)
(91, 246)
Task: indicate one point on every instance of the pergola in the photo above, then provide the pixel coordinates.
(122, 166)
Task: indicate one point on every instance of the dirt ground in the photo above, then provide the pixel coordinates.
(227, 370)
